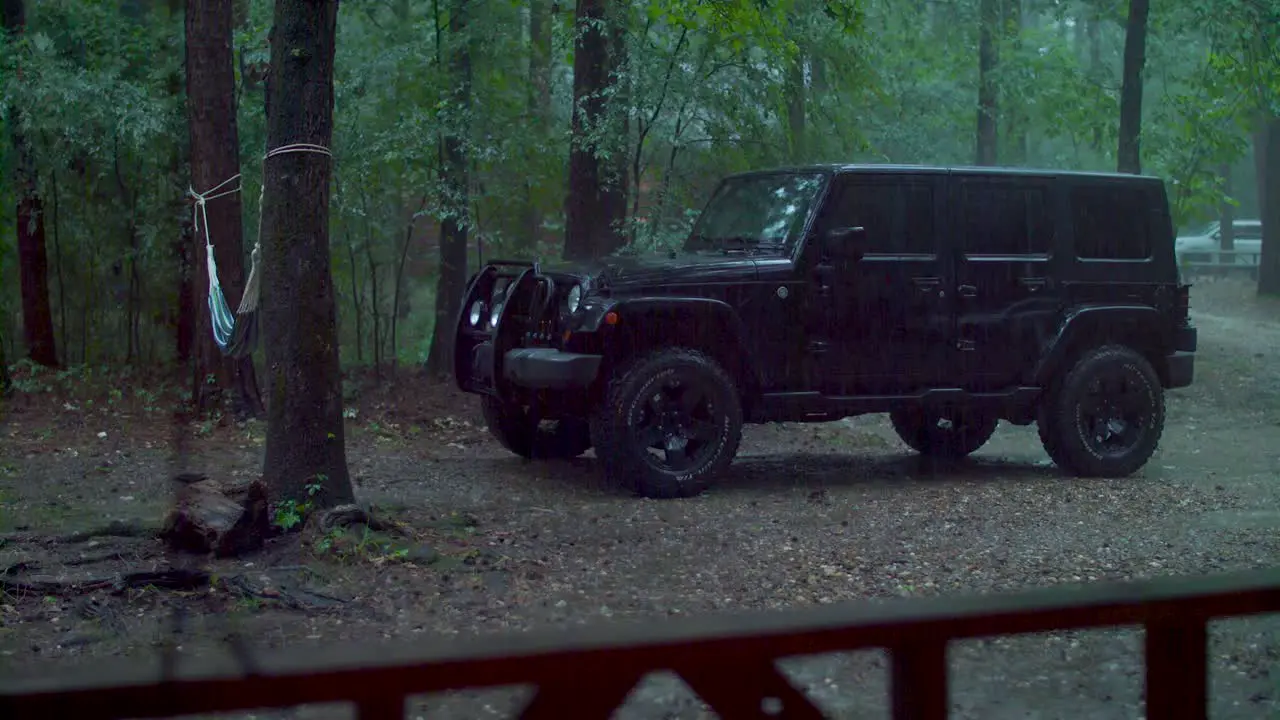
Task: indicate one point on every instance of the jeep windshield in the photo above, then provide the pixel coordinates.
(756, 213)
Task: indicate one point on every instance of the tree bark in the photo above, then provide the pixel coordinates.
(33, 259)
(1269, 204)
(6, 382)
(1128, 155)
(1227, 211)
(539, 102)
(452, 279)
(305, 438)
(215, 158)
(988, 100)
(596, 203)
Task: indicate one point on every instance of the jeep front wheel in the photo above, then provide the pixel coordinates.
(1106, 415)
(513, 428)
(945, 434)
(669, 424)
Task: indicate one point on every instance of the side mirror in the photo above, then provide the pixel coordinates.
(844, 243)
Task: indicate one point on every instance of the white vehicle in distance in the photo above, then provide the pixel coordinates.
(1202, 246)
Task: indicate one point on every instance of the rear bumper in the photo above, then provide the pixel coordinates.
(1182, 367)
(533, 368)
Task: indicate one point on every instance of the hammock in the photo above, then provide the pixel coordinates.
(236, 333)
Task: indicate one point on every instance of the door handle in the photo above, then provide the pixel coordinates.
(968, 291)
(1034, 284)
(926, 283)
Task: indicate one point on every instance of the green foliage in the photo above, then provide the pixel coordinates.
(291, 513)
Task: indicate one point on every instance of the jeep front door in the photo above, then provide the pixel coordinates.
(890, 315)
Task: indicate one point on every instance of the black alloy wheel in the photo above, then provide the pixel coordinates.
(671, 422)
(950, 433)
(1107, 416)
(514, 429)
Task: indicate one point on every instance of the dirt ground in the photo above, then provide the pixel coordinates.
(810, 514)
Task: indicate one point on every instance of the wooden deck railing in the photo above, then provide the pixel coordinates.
(729, 660)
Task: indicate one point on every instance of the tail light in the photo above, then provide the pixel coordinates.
(1182, 304)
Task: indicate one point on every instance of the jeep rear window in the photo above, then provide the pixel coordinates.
(756, 211)
(1004, 218)
(1111, 223)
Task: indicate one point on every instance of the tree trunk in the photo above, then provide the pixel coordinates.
(305, 438)
(1097, 73)
(596, 203)
(1015, 126)
(185, 330)
(6, 382)
(1128, 155)
(452, 279)
(539, 103)
(1227, 211)
(988, 101)
(1269, 202)
(215, 159)
(795, 96)
(33, 260)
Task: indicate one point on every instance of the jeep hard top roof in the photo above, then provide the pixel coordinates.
(853, 168)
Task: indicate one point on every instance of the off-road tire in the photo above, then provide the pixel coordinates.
(614, 427)
(509, 424)
(919, 429)
(1059, 422)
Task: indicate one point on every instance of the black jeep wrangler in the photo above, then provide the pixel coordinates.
(948, 298)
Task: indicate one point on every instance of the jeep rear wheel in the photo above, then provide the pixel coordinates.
(669, 424)
(943, 433)
(1106, 416)
(512, 426)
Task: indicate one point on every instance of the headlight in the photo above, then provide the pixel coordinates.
(495, 314)
(477, 312)
(574, 299)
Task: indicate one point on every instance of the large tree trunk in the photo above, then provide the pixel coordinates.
(596, 204)
(1268, 148)
(539, 102)
(1128, 155)
(988, 104)
(452, 280)
(215, 158)
(305, 439)
(33, 259)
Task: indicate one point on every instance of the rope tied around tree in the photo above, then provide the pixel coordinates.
(236, 333)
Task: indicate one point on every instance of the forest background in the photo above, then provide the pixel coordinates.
(453, 139)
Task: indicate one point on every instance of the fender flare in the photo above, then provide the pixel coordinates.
(1102, 323)
(633, 311)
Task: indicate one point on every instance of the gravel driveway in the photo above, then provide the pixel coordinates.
(826, 513)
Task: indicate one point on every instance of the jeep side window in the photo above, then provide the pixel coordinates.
(1001, 218)
(897, 215)
(1111, 223)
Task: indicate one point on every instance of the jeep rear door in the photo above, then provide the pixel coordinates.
(1007, 299)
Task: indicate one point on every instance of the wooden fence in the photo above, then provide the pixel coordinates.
(729, 660)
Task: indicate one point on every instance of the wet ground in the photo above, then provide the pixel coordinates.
(809, 514)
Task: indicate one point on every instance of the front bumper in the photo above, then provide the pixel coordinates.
(536, 368)
(550, 369)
